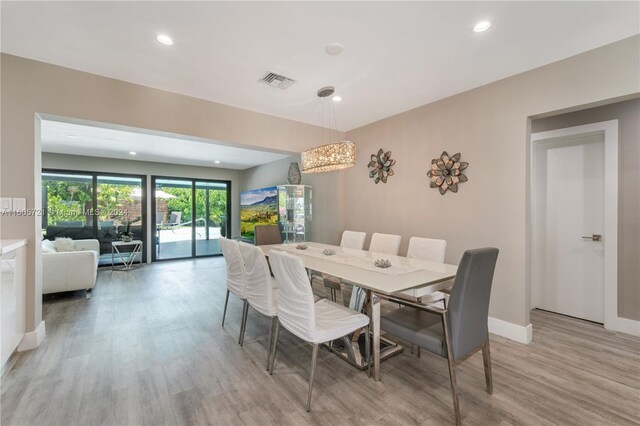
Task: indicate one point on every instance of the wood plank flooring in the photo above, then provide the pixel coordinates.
(148, 349)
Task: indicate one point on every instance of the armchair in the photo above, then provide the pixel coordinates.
(69, 271)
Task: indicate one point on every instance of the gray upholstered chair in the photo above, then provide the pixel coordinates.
(458, 331)
(267, 234)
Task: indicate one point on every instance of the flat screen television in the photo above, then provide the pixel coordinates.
(258, 207)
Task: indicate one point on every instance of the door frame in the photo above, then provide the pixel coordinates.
(610, 130)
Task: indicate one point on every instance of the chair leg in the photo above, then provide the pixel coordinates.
(452, 371)
(275, 346)
(226, 302)
(454, 390)
(314, 361)
(486, 358)
(367, 349)
(418, 353)
(243, 326)
(271, 327)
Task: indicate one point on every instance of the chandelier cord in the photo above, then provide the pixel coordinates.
(319, 121)
(335, 121)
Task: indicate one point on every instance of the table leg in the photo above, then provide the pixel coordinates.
(374, 315)
(128, 261)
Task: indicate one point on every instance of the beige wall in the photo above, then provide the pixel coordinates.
(628, 116)
(97, 164)
(30, 88)
(327, 217)
(490, 127)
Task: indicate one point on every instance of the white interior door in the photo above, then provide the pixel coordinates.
(568, 269)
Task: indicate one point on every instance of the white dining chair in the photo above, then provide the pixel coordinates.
(236, 277)
(314, 322)
(381, 244)
(352, 240)
(261, 290)
(385, 243)
(432, 250)
(426, 249)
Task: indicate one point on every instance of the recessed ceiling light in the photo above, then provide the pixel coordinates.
(72, 136)
(217, 161)
(481, 26)
(337, 98)
(334, 48)
(132, 153)
(165, 39)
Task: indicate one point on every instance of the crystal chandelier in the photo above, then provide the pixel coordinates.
(330, 157)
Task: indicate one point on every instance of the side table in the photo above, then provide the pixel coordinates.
(128, 258)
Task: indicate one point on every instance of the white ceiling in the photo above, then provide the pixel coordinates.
(398, 55)
(95, 141)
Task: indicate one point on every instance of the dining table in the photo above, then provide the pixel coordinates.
(358, 267)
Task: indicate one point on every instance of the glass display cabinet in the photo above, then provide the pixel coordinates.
(294, 212)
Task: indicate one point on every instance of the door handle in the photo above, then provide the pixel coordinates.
(594, 237)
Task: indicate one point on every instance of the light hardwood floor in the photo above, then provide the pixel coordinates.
(148, 348)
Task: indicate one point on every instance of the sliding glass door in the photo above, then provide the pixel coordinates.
(190, 215)
(121, 211)
(211, 208)
(86, 205)
(173, 218)
(67, 201)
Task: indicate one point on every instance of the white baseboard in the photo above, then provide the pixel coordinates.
(623, 325)
(515, 332)
(32, 339)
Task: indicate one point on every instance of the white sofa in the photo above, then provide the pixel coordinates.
(70, 270)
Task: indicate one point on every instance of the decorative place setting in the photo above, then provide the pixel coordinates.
(383, 263)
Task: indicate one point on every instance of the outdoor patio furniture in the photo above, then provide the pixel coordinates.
(174, 219)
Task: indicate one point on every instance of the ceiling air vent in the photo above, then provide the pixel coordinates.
(276, 80)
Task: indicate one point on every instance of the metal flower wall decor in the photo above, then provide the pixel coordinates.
(446, 172)
(380, 166)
